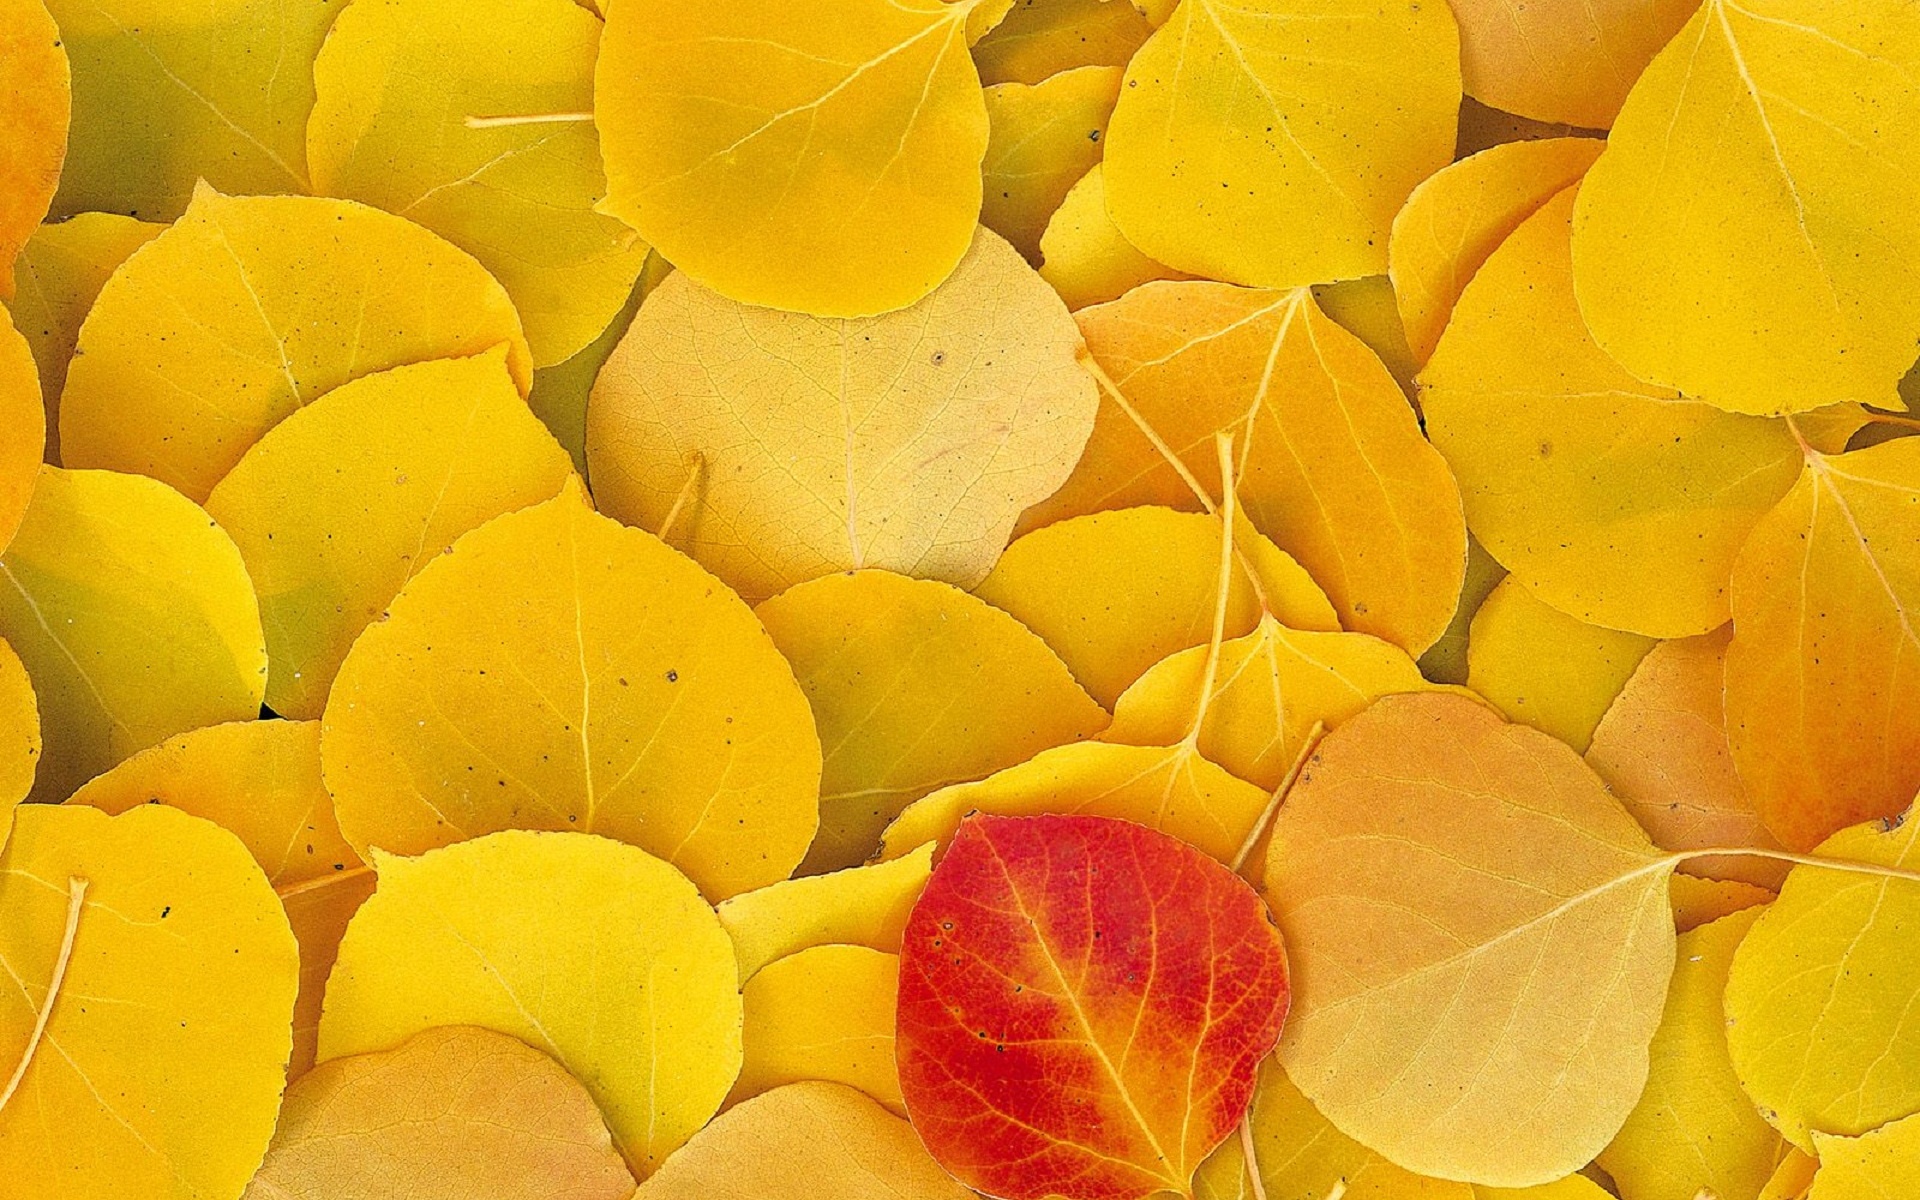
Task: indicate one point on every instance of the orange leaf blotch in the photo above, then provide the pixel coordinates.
(1083, 1004)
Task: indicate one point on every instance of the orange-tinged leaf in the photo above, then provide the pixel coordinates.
(914, 685)
(1041, 38)
(560, 671)
(1460, 215)
(800, 1142)
(1697, 901)
(23, 429)
(1617, 502)
(792, 446)
(1792, 1177)
(1083, 1005)
(865, 906)
(1662, 747)
(450, 1113)
(135, 617)
(1044, 137)
(1823, 710)
(145, 1008)
(1546, 669)
(820, 156)
(1332, 464)
(824, 1013)
(260, 780)
(19, 736)
(36, 96)
(1084, 256)
(1223, 158)
(1480, 940)
(336, 507)
(1569, 61)
(597, 953)
(248, 308)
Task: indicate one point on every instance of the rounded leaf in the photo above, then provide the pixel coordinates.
(1568, 61)
(1085, 257)
(1045, 136)
(19, 736)
(34, 111)
(23, 428)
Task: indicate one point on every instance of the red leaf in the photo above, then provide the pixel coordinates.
(1083, 1003)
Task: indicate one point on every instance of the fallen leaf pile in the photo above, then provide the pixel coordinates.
(911, 599)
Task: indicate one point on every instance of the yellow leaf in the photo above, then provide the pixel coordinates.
(1821, 1003)
(1570, 61)
(260, 780)
(1084, 256)
(1044, 137)
(61, 270)
(19, 736)
(1822, 638)
(792, 447)
(1694, 1128)
(1883, 1163)
(1366, 308)
(340, 504)
(168, 94)
(820, 156)
(824, 1013)
(1270, 689)
(1546, 669)
(135, 617)
(1793, 1176)
(450, 1113)
(1041, 38)
(560, 671)
(1299, 1155)
(1617, 502)
(1460, 215)
(914, 685)
(1784, 124)
(594, 952)
(23, 429)
(1479, 938)
(36, 96)
(1570, 1187)
(1222, 159)
(1662, 747)
(405, 88)
(1446, 660)
(560, 392)
(1116, 592)
(803, 1141)
(864, 906)
(1332, 464)
(252, 306)
(1698, 901)
(1169, 788)
(145, 1008)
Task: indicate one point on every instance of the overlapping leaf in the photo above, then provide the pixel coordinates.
(1084, 255)
(824, 1013)
(864, 906)
(36, 97)
(1043, 138)
(23, 429)
(1041, 38)
(1569, 61)
(1546, 669)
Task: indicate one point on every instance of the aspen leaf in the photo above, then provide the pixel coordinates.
(1546, 669)
(248, 308)
(19, 736)
(1044, 953)
(133, 614)
(1885, 1162)
(1044, 137)
(1270, 142)
(866, 906)
(449, 1113)
(1821, 597)
(1662, 747)
(1460, 215)
(819, 157)
(340, 504)
(560, 392)
(1827, 977)
(60, 271)
(1480, 942)
(909, 442)
(1366, 308)
(36, 99)
(1616, 502)
(1694, 1128)
(260, 780)
(1331, 462)
(145, 1008)
(1446, 660)
(23, 428)
(1083, 254)
(1562, 60)
(914, 685)
(404, 89)
(803, 1141)
(168, 94)
(1269, 690)
(1792, 1177)
(594, 952)
(824, 1013)
(1041, 38)
(560, 671)
(1784, 123)
(1697, 901)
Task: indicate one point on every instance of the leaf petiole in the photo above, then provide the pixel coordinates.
(76, 900)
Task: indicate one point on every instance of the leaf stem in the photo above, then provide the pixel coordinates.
(1279, 796)
(1801, 860)
(1148, 431)
(1251, 1156)
(560, 118)
(320, 881)
(686, 490)
(1223, 445)
(76, 900)
(1876, 417)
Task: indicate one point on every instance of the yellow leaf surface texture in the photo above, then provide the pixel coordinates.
(35, 107)
(23, 426)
